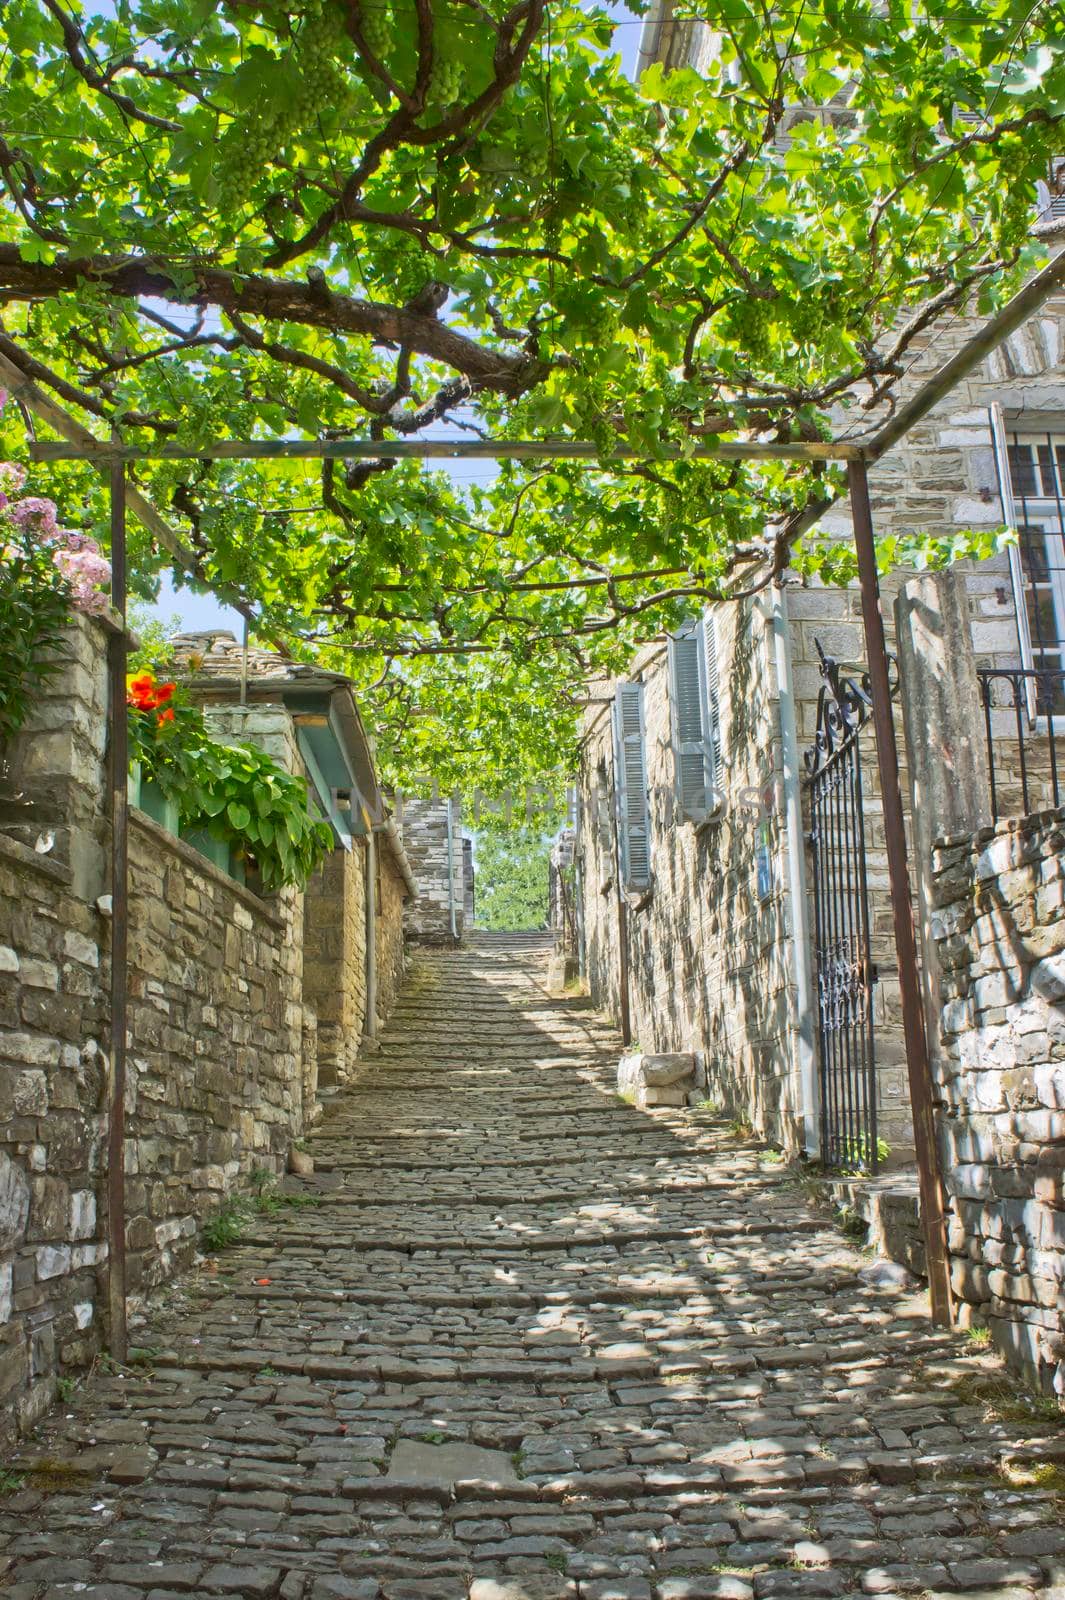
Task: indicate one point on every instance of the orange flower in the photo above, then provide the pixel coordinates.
(166, 716)
(163, 691)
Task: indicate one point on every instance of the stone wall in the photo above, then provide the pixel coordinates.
(391, 899)
(999, 922)
(52, 1129)
(709, 947)
(334, 960)
(222, 1066)
(425, 826)
(215, 1063)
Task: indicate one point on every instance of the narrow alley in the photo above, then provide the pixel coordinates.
(528, 1342)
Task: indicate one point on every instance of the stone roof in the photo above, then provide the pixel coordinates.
(217, 653)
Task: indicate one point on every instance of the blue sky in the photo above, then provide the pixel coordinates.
(200, 611)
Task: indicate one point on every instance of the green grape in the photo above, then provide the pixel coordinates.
(445, 81)
(377, 27)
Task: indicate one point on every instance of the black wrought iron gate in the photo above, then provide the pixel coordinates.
(845, 972)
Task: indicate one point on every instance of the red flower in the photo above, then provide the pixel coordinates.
(166, 716)
(163, 691)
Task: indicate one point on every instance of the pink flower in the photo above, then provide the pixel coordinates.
(35, 516)
(70, 540)
(84, 569)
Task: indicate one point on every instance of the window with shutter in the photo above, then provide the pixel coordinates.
(634, 832)
(713, 702)
(695, 718)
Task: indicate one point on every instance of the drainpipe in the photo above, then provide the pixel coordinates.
(796, 858)
(369, 1026)
(451, 871)
(399, 854)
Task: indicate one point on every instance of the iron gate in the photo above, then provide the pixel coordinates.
(845, 973)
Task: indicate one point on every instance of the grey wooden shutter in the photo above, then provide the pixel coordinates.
(688, 713)
(631, 782)
(712, 709)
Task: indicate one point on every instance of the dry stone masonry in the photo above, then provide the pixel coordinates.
(999, 919)
(534, 1344)
(222, 1063)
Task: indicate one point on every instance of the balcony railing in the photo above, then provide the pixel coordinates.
(1024, 722)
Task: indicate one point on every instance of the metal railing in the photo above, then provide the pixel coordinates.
(845, 971)
(1024, 724)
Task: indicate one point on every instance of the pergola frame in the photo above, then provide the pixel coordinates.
(113, 456)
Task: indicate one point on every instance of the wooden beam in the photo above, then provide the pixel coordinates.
(440, 449)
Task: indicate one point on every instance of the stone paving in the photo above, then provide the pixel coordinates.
(531, 1344)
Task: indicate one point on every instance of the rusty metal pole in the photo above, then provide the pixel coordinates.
(117, 645)
(926, 1147)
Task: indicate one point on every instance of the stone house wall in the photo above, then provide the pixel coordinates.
(999, 922)
(215, 1066)
(390, 904)
(425, 826)
(710, 966)
(52, 1129)
(703, 928)
(222, 1067)
(334, 960)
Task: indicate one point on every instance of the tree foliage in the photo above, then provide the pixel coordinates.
(512, 878)
(376, 217)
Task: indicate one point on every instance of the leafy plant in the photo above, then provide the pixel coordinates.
(155, 649)
(236, 792)
(856, 1153)
(226, 1227)
(65, 1388)
(269, 1199)
(10, 1482)
(512, 878)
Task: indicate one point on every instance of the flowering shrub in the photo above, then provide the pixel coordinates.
(235, 792)
(45, 570)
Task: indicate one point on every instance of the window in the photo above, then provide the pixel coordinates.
(1032, 470)
(1052, 194)
(696, 719)
(634, 834)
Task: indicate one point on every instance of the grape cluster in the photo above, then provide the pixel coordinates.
(752, 324)
(599, 321)
(250, 144)
(321, 40)
(377, 27)
(445, 80)
(808, 317)
(245, 149)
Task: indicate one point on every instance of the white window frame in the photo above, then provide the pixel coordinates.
(1050, 511)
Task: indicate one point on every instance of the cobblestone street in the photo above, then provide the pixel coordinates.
(533, 1343)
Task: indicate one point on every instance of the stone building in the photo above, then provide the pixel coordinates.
(708, 921)
(352, 960)
(240, 1004)
(443, 867)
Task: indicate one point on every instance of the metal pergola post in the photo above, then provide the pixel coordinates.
(918, 1065)
(117, 646)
